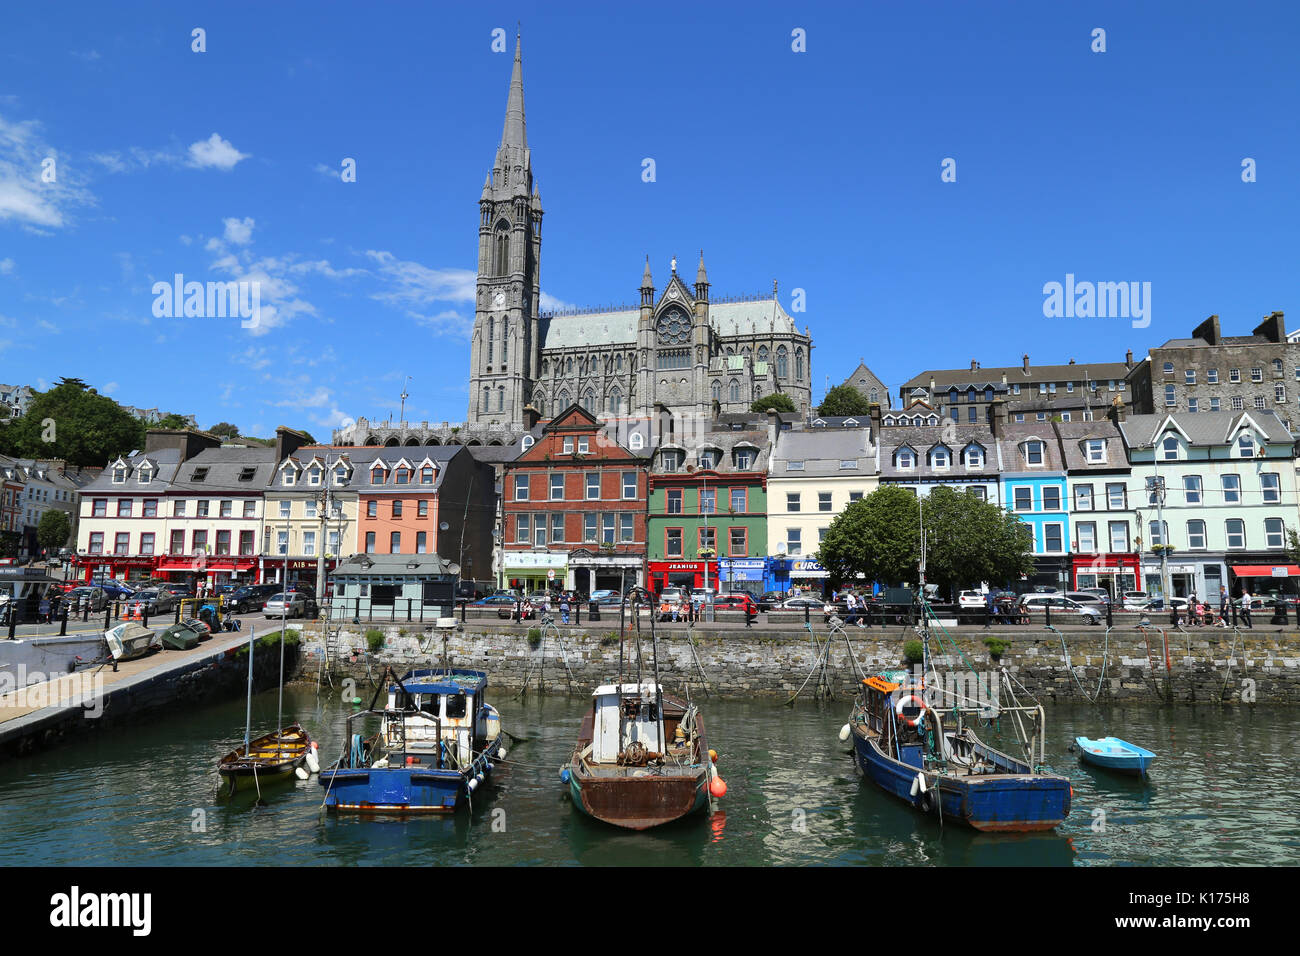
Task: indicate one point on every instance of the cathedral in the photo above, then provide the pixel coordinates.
(681, 348)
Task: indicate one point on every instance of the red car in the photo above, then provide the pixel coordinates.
(737, 601)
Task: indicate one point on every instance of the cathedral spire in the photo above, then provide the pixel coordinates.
(646, 281)
(514, 134)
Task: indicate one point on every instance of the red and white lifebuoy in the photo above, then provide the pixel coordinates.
(903, 702)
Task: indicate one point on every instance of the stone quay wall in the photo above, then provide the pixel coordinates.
(1193, 666)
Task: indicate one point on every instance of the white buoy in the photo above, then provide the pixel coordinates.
(473, 784)
(501, 751)
(313, 763)
(301, 773)
(844, 733)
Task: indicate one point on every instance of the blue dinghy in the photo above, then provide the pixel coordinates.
(1115, 754)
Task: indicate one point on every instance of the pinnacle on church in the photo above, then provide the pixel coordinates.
(514, 134)
(646, 281)
(701, 276)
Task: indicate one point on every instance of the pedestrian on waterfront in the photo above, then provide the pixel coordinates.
(564, 609)
(1245, 608)
(1223, 601)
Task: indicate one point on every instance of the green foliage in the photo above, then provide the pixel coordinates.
(374, 640)
(969, 540)
(997, 646)
(9, 542)
(224, 430)
(85, 428)
(534, 637)
(610, 639)
(844, 400)
(53, 529)
(777, 400)
(171, 421)
(913, 652)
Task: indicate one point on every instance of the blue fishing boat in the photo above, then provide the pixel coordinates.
(436, 743)
(901, 745)
(1115, 754)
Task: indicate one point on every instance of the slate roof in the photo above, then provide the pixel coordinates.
(1074, 434)
(392, 565)
(822, 451)
(963, 378)
(1204, 428)
(1017, 433)
(729, 319)
(224, 466)
(921, 438)
(166, 460)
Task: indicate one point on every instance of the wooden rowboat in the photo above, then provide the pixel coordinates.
(1115, 754)
(269, 759)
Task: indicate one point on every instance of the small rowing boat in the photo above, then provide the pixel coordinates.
(271, 758)
(1115, 754)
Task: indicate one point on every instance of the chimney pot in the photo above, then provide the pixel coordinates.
(1026, 358)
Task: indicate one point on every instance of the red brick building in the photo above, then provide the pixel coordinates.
(575, 507)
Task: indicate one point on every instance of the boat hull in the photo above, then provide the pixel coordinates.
(1012, 803)
(272, 759)
(1128, 758)
(403, 790)
(639, 803)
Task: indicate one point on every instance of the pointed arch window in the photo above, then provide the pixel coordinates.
(782, 363)
(589, 400)
(798, 365)
(501, 398)
(875, 397)
(487, 399)
(491, 337)
(505, 343)
(562, 402)
(717, 391)
(615, 400)
(501, 250)
(735, 390)
(762, 353)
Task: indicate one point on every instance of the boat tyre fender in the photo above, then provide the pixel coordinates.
(903, 702)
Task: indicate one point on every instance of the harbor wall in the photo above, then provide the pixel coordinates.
(1203, 665)
(206, 674)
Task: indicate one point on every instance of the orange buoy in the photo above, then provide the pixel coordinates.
(718, 787)
(713, 755)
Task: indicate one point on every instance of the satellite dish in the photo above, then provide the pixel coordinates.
(453, 568)
(443, 526)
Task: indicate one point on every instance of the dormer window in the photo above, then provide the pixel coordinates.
(1169, 449)
(904, 459)
(527, 442)
(340, 474)
(286, 478)
(1095, 449)
(1246, 446)
(671, 459)
(145, 475)
(635, 441)
(709, 458)
(940, 459)
(1033, 453)
(378, 475)
(794, 466)
(426, 475)
(402, 476)
(313, 475)
(119, 475)
(246, 474)
(974, 457)
(200, 474)
(744, 457)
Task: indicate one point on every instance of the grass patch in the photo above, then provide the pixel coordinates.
(374, 640)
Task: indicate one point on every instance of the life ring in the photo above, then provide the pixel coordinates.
(902, 702)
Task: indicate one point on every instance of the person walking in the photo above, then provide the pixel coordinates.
(564, 608)
(1223, 601)
(1245, 608)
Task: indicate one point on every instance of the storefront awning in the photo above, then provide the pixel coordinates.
(1266, 570)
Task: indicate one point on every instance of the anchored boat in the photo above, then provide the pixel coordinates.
(901, 744)
(1115, 754)
(642, 758)
(436, 742)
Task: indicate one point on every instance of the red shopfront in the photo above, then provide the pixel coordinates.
(665, 574)
(209, 569)
(107, 567)
(300, 570)
(1116, 572)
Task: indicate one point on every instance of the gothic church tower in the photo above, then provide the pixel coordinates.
(505, 346)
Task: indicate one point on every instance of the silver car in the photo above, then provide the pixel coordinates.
(95, 597)
(294, 604)
(151, 601)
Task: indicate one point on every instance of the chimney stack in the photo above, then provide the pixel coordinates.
(998, 418)
(1128, 359)
(974, 365)
(1117, 411)
(1208, 330)
(772, 429)
(1272, 328)
(1026, 358)
(531, 417)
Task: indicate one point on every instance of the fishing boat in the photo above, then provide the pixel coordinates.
(436, 744)
(272, 758)
(1115, 754)
(641, 759)
(128, 642)
(902, 746)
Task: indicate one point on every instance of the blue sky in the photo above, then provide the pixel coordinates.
(820, 169)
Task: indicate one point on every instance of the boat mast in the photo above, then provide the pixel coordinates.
(658, 698)
(248, 710)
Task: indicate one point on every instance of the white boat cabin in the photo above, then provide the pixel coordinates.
(441, 707)
(635, 710)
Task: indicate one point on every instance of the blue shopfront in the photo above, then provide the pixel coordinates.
(742, 574)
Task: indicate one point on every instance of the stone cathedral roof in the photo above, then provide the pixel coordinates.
(729, 319)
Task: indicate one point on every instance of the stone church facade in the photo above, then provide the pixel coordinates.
(680, 348)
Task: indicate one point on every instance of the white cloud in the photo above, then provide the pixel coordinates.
(89, 56)
(215, 152)
(109, 388)
(239, 231)
(329, 172)
(414, 284)
(549, 303)
(24, 197)
(6, 267)
(279, 297)
(447, 322)
(324, 268)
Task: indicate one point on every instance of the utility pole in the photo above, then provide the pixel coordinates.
(1156, 490)
(323, 500)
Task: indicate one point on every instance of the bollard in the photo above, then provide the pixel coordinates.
(179, 605)
(1110, 609)
(1233, 605)
(1279, 613)
(408, 610)
(577, 612)
(144, 615)
(1048, 607)
(463, 606)
(85, 613)
(13, 621)
(807, 612)
(107, 623)
(63, 623)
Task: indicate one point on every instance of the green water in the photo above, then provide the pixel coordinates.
(1221, 793)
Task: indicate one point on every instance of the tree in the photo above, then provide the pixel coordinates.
(71, 422)
(777, 400)
(53, 529)
(224, 430)
(172, 420)
(969, 540)
(844, 400)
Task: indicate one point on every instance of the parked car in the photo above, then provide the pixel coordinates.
(116, 590)
(971, 599)
(251, 597)
(737, 600)
(1158, 604)
(289, 604)
(151, 601)
(1087, 598)
(770, 599)
(95, 596)
(1101, 593)
(1060, 605)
